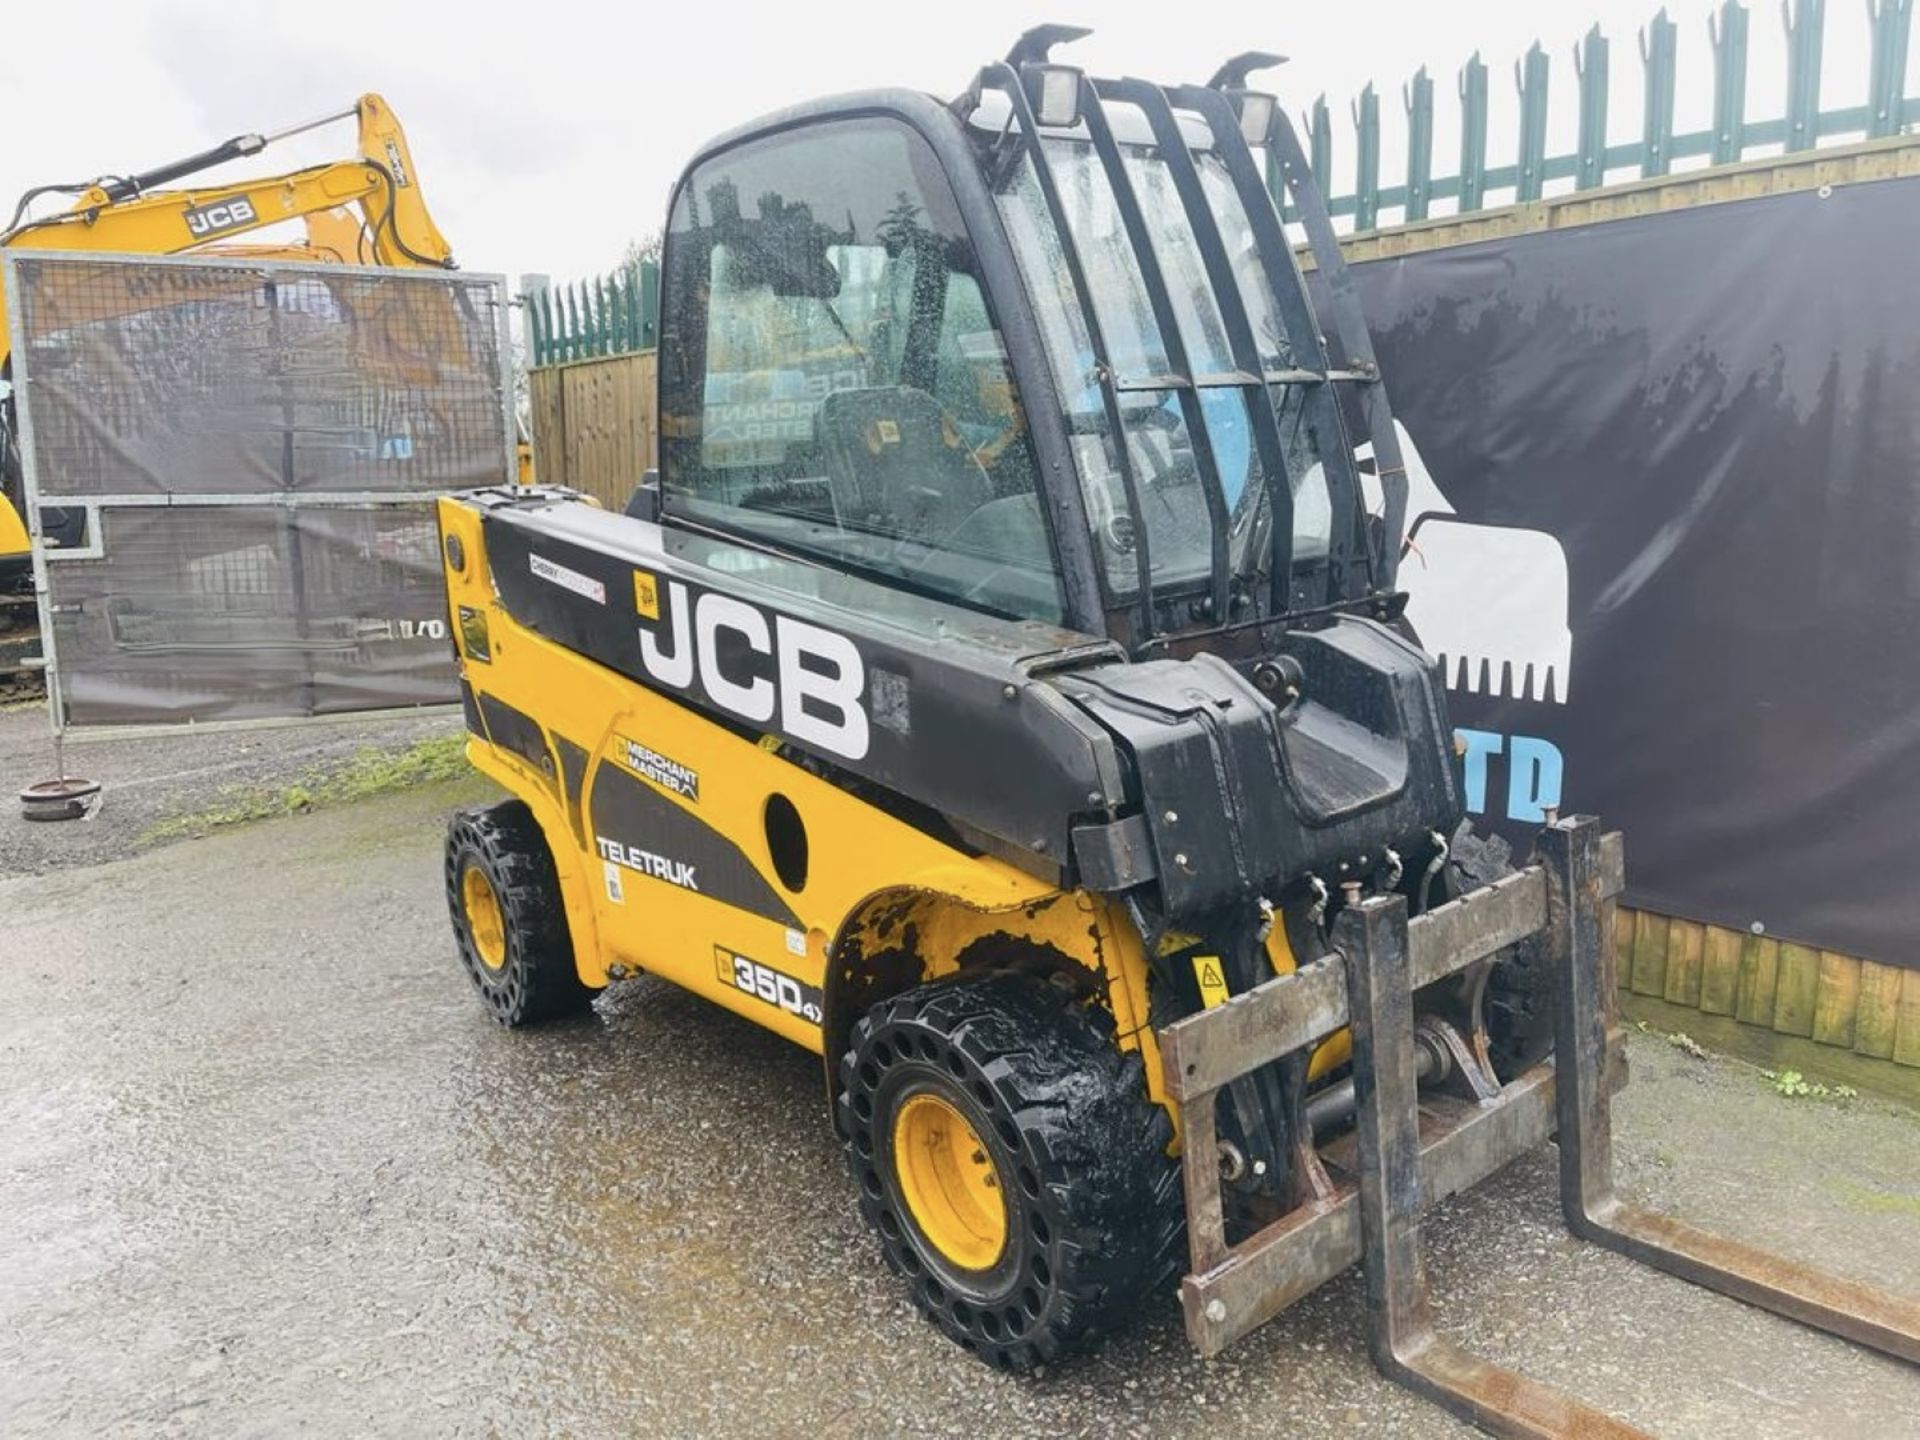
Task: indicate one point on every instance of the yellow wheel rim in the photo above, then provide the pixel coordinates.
(949, 1181)
(484, 920)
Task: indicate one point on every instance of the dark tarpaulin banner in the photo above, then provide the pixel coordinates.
(1665, 518)
(253, 450)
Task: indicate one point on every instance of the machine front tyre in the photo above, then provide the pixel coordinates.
(509, 921)
(1008, 1157)
(1519, 998)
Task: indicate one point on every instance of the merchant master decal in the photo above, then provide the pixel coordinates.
(669, 775)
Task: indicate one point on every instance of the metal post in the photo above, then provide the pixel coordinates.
(1887, 79)
(649, 304)
(535, 319)
(1590, 71)
(1806, 22)
(1659, 58)
(13, 285)
(1418, 98)
(1320, 145)
(290, 519)
(1729, 36)
(1473, 134)
(1366, 175)
(1530, 78)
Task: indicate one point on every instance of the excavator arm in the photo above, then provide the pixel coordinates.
(365, 210)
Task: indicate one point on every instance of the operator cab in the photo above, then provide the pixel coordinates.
(1043, 352)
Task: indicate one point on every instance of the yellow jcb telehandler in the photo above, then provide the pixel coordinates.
(1002, 691)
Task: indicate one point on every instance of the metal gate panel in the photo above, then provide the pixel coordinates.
(244, 456)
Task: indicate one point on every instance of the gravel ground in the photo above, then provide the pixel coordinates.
(159, 777)
(270, 1171)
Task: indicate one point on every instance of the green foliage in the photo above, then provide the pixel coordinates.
(1795, 1086)
(370, 771)
(645, 250)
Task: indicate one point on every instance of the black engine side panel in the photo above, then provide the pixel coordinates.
(1055, 752)
(1242, 798)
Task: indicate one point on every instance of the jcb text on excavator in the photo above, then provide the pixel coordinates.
(365, 210)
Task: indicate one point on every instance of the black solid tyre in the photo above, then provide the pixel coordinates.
(1519, 1000)
(520, 956)
(1094, 1220)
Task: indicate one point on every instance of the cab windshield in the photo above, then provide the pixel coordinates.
(1169, 468)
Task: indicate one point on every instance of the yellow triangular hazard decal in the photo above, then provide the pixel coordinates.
(1213, 984)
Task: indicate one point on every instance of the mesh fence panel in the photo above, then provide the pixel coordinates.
(255, 444)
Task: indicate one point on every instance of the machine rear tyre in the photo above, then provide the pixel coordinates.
(1009, 1159)
(508, 918)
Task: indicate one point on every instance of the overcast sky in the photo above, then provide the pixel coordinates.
(547, 134)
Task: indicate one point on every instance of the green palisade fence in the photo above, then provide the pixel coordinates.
(613, 314)
(618, 313)
(1888, 111)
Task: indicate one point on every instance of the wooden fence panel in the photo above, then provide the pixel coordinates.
(1791, 991)
(1878, 1015)
(1836, 1000)
(1720, 970)
(594, 428)
(1686, 947)
(548, 423)
(1795, 984)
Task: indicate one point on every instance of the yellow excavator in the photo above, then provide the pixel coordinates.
(366, 209)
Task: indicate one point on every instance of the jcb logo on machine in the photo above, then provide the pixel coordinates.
(775, 987)
(646, 594)
(204, 220)
(758, 666)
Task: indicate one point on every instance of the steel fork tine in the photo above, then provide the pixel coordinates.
(1578, 926)
(1372, 937)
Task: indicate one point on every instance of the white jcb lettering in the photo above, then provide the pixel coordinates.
(716, 612)
(674, 668)
(821, 680)
(844, 730)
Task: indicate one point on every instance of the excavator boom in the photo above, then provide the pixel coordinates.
(128, 216)
(366, 210)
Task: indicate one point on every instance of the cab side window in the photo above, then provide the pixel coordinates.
(833, 379)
